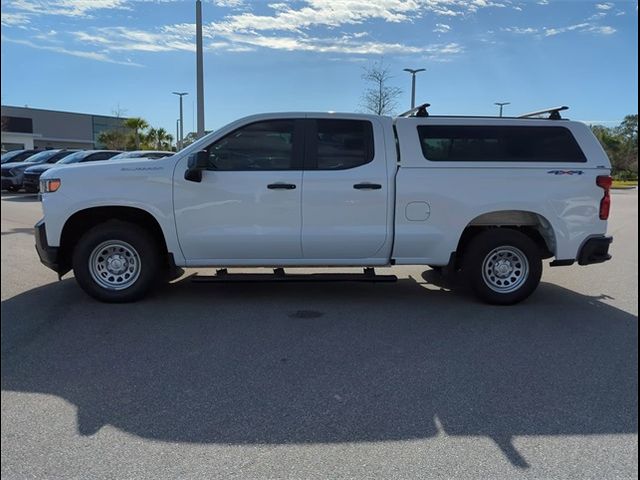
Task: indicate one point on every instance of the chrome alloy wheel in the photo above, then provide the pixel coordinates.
(505, 269)
(114, 265)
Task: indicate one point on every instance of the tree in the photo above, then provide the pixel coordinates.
(379, 98)
(116, 139)
(158, 139)
(136, 125)
(629, 127)
(191, 137)
(621, 145)
(628, 131)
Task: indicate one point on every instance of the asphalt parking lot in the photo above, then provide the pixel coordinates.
(411, 379)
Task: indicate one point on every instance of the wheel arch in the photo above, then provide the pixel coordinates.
(83, 220)
(532, 224)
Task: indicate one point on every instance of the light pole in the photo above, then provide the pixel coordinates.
(177, 134)
(181, 138)
(413, 83)
(199, 71)
(501, 104)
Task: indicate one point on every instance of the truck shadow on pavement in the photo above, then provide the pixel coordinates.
(323, 363)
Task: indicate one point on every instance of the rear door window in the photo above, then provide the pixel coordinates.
(339, 144)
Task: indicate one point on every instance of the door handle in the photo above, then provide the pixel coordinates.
(367, 186)
(281, 186)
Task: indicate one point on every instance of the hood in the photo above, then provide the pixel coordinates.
(12, 165)
(126, 169)
(39, 168)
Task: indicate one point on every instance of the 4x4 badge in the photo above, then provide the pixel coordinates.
(566, 172)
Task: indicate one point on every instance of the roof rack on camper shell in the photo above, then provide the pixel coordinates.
(554, 113)
(419, 111)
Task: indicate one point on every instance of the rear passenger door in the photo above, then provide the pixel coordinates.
(345, 190)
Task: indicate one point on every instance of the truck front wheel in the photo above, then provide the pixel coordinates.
(116, 262)
(503, 266)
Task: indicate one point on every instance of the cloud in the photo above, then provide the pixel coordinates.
(585, 27)
(442, 28)
(304, 25)
(124, 39)
(604, 30)
(229, 3)
(604, 6)
(101, 57)
(520, 30)
(14, 19)
(180, 37)
(69, 8)
(295, 17)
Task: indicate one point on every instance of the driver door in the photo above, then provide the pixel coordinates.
(247, 208)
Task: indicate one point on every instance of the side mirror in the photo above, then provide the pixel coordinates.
(196, 162)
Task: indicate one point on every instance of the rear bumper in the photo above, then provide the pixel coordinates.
(595, 250)
(49, 256)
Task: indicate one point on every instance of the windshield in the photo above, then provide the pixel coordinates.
(42, 156)
(9, 155)
(73, 158)
(127, 155)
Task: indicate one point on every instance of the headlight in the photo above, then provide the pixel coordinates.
(14, 171)
(50, 185)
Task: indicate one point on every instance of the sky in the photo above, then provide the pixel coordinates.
(127, 56)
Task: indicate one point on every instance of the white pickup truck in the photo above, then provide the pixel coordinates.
(488, 198)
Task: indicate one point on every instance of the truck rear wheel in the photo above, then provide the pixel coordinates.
(503, 266)
(116, 262)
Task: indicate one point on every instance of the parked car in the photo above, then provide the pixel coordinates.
(488, 198)
(144, 154)
(31, 180)
(13, 172)
(16, 156)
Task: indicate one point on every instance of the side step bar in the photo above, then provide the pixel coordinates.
(279, 275)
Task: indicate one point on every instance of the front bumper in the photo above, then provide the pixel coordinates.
(49, 256)
(595, 250)
(8, 182)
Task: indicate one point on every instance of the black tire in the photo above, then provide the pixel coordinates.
(13, 189)
(148, 255)
(495, 241)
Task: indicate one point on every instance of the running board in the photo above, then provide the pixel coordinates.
(279, 275)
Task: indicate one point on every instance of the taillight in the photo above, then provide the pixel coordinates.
(604, 182)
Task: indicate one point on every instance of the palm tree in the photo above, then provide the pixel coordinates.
(158, 138)
(163, 139)
(136, 124)
(150, 140)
